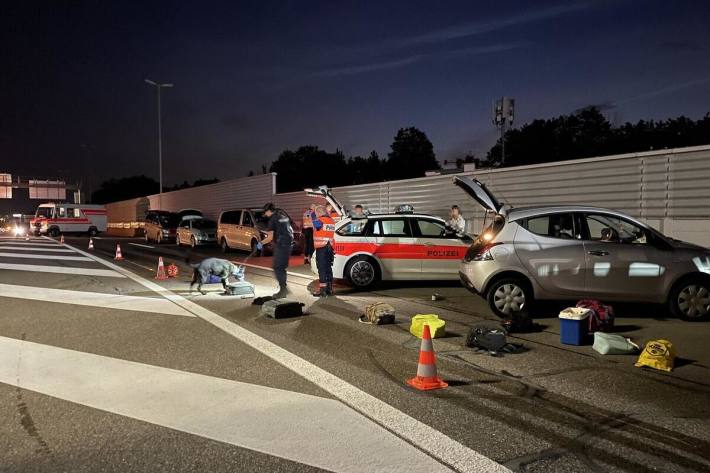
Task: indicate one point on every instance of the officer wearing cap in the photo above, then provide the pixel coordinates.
(280, 232)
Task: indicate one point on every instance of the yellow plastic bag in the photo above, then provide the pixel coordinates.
(658, 354)
(437, 327)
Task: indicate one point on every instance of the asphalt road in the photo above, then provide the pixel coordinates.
(138, 382)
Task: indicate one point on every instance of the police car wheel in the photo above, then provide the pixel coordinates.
(362, 272)
(225, 246)
(193, 243)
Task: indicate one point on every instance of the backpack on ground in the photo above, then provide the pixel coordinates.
(282, 308)
(491, 338)
(602, 317)
(379, 313)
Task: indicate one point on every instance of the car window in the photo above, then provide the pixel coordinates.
(62, 212)
(353, 228)
(231, 217)
(185, 224)
(560, 225)
(614, 229)
(77, 213)
(247, 220)
(431, 229)
(203, 224)
(392, 227)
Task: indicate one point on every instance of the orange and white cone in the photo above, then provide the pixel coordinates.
(27, 237)
(91, 243)
(160, 274)
(426, 377)
(119, 256)
(61, 240)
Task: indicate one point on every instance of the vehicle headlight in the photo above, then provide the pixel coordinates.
(166, 232)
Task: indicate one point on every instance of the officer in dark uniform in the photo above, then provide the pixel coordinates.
(280, 232)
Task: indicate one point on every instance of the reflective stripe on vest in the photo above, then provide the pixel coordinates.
(326, 233)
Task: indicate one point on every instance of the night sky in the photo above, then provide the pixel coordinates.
(254, 78)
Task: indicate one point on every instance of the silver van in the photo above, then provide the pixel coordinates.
(574, 252)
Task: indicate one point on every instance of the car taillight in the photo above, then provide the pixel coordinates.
(482, 253)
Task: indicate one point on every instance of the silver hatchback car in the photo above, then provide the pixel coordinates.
(576, 252)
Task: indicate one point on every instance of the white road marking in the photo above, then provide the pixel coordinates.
(421, 435)
(61, 270)
(308, 429)
(93, 299)
(141, 245)
(37, 243)
(23, 248)
(66, 258)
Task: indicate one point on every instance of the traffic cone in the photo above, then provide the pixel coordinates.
(27, 238)
(119, 256)
(91, 243)
(61, 240)
(426, 377)
(160, 274)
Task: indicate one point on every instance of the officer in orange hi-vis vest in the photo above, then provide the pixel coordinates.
(323, 233)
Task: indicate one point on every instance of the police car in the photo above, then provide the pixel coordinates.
(402, 245)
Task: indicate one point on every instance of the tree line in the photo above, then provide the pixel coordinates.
(582, 134)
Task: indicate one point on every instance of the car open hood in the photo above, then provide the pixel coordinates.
(324, 192)
(480, 193)
(185, 214)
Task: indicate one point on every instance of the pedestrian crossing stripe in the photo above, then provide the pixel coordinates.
(158, 305)
(45, 257)
(61, 270)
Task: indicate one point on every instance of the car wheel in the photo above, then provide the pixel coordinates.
(159, 238)
(690, 299)
(509, 297)
(53, 232)
(93, 232)
(145, 234)
(362, 272)
(193, 242)
(254, 249)
(225, 246)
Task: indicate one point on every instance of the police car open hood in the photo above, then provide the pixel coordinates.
(480, 193)
(324, 192)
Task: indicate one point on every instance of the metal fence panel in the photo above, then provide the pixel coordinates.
(212, 199)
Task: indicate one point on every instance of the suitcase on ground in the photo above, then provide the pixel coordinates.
(282, 308)
(241, 289)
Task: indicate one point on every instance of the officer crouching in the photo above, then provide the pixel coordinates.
(323, 233)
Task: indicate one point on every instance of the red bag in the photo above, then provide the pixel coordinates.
(602, 317)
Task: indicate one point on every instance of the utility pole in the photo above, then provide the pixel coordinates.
(503, 115)
(159, 86)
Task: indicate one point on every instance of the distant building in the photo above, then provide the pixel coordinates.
(21, 195)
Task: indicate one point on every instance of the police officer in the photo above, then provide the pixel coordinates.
(308, 234)
(280, 232)
(324, 231)
(330, 211)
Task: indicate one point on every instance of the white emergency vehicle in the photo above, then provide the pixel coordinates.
(401, 245)
(54, 219)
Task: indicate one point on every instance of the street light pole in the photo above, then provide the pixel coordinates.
(159, 86)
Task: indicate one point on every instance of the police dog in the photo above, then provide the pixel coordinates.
(221, 268)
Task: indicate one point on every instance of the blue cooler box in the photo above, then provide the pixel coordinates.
(574, 326)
